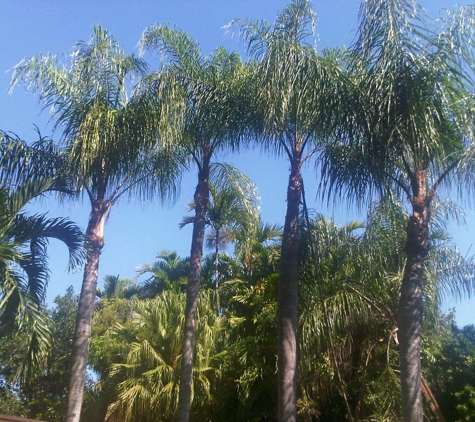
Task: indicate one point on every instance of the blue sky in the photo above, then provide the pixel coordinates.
(136, 232)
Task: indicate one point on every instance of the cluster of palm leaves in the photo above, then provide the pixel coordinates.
(391, 117)
(23, 245)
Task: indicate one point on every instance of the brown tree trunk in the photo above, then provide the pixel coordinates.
(410, 303)
(434, 406)
(82, 334)
(201, 199)
(288, 300)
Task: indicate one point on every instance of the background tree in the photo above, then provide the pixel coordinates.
(232, 212)
(116, 287)
(103, 134)
(151, 359)
(169, 273)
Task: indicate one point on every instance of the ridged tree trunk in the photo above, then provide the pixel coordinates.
(288, 300)
(82, 335)
(410, 303)
(201, 199)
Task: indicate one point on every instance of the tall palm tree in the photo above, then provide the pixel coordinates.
(206, 88)
(295, 92)
(103, 134)
(411, 124)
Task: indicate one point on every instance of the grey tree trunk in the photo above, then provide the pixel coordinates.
(201, 199)
(82, 334)
(288, 301)
(411, 306)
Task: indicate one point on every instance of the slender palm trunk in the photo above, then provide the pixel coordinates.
(82, 334)
(216, 262)
(288, 300)
(201, 199)
(410, 303)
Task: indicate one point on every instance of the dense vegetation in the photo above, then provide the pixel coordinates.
(309, 321)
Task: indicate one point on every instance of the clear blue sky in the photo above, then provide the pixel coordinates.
(135, 233)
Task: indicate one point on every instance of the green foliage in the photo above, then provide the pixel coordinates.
(149, 358)
(44, 396)
(452, 370)
(23, 248)
(170, 272)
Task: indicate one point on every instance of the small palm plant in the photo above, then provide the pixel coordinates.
(151, 360)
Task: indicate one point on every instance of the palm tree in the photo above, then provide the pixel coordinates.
(296, 93)
(407, 135)
(116, 287)
(103, 134)
(206, 88)
(23, 254)
(169, 273)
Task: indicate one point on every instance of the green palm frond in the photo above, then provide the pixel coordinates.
(105, 133)
(24, 270)
(151, 363)
(411, 104)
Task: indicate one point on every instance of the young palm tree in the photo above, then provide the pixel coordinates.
(207, 88)
(232, 212)
(169, 273)
(103, 135)
(410, 128)
(295, 93)
(117, 288)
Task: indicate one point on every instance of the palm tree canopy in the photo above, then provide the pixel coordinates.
(207, 91)
(412, 102)
(297, 88)
(104, 131)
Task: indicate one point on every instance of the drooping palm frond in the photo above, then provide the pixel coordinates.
(103, 130)
(22, 162)
(204, 86)
(24, 270)
(411, 103)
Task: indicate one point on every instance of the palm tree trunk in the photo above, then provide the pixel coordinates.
(411, 307)
(288, 301)
(82, 334)
(216, 262)
(201, 199)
